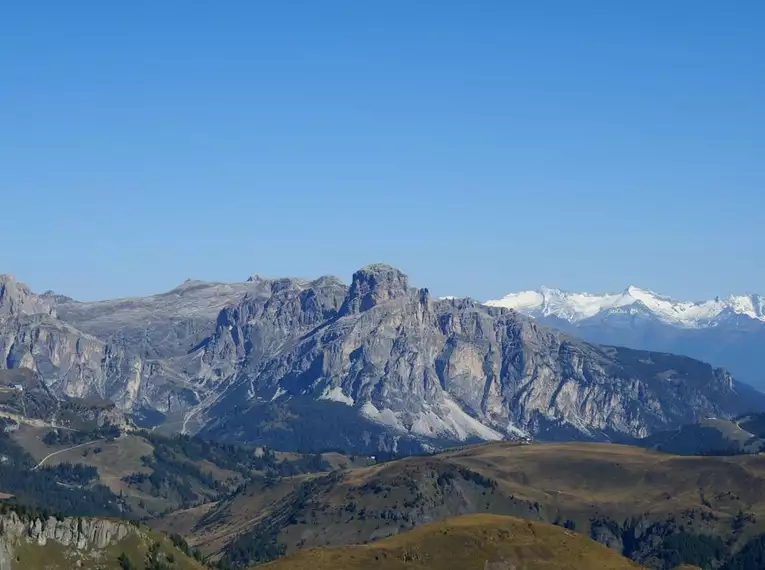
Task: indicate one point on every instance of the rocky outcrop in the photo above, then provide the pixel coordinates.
(75, 533)
(271, 315)
(16, 299)
(373, 285)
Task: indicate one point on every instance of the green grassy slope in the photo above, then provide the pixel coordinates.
(472, 542)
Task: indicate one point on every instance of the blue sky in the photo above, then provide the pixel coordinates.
(482, 147)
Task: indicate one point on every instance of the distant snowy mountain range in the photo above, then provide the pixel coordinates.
(725, 331)
(577, 307)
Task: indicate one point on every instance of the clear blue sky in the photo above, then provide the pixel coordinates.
(482, 147)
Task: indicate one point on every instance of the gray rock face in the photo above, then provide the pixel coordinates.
(456, 369)
(135, 352)
(16, 299)
(26, 397)
(373, 285)
(75, 533)
(267, 319)
(243, 360)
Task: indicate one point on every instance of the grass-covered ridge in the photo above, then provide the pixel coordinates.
(472, 542)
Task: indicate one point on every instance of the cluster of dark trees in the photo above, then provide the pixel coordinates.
(700, 550)
(225, 456)
(72, 473)
(180, 543)
(175, 473)
(171, 478)
(72, 437)
(241, 459)
(305, 426)
(304, 464)
(252, 548)
(677, 547)
(751, 556)
(25, 512)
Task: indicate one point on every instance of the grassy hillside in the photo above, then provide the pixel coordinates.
(473, 542)
(659, 509)
(154, 474)
(64, 488)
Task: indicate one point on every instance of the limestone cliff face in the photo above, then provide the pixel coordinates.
(17, 299)
(75, 533)
(227, 356)
(99, 352)
(456, 369)
(73, 363)
(270, 317)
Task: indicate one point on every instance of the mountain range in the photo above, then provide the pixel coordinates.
(374, 365)
(726, 331)
(576, 307)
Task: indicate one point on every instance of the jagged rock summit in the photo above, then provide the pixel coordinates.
(372, 285)
(374, 364)
(16, 299)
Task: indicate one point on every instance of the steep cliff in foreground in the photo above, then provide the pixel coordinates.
(32, 543)
(299, 364)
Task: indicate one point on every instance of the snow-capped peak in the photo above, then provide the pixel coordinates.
(575, 307)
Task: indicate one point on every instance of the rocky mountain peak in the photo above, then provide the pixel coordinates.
(17, 299)
(372, 285)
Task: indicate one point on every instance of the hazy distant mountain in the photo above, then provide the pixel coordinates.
(728, 332)
(375, 365)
